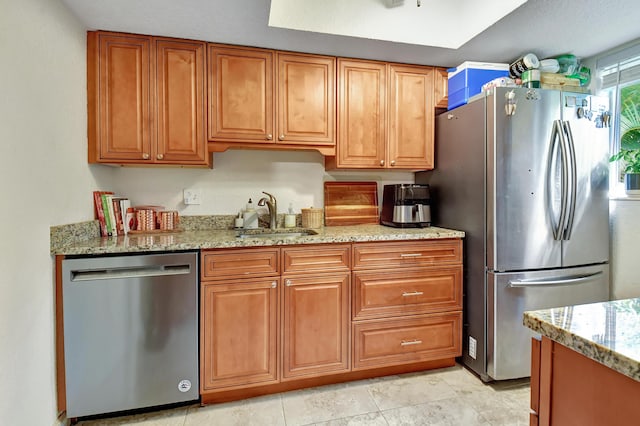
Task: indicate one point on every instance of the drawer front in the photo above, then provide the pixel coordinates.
(379, 343)
(316, 258)
(406, 253)
(378, 294)
(225, 263)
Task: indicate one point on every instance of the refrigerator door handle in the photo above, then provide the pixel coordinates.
(558, 134)
(573, 179)
(554, 281)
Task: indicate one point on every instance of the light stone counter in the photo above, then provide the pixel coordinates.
(64, 242)
(607, 332)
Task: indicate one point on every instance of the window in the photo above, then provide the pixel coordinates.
(619, 72)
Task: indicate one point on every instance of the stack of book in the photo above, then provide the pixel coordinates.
(114, 213)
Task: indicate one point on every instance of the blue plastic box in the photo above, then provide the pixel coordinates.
(466, 80)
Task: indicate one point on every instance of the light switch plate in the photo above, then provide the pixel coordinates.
(192, 196)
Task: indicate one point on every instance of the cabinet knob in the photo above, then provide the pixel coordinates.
(281, 137)
(382, 162)
(269, 137)
(145, 156)
(288, 283)
(393, 162)
(274, 284)
(159, 156)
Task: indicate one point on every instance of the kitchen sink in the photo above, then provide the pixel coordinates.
(252, 234)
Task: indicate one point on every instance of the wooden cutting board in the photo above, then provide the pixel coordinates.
(350, 203)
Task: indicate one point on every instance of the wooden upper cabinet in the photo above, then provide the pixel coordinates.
(240, 94)
(146, 100)
(260, 98)
(119, 97)
(306, 99)
(362, 95)
(180, 79)
(441, 87)
(411, 115)
(385, 116)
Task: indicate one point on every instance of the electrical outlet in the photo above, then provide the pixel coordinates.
(472, 347)
(192, 196)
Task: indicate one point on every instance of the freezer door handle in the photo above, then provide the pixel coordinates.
(555, 281)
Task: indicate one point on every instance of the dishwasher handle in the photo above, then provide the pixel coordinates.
(129, 272)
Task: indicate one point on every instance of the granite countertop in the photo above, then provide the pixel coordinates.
(74, 243)
(607, 332)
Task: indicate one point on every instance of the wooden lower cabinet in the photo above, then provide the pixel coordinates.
(282, 318)
(405, 340)
(568, 388)
(239, 326)
(380, 294)
(315, 325)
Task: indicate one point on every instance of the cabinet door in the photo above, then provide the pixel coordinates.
(180, 72)
(411, 112)
(441, 88)
(240, 94)
(306, 99)
(361, 114)
(316, 325)
(119, 78)
(239, 328)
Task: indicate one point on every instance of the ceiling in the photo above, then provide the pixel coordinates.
(544, 27)
(393, 20)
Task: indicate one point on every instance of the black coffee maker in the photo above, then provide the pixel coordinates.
(406, 205)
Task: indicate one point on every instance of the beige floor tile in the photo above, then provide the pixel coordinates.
(327, 403)
(173, 417)
(409, 389)
(369, 419)
(460, 379)
(445, 412)
(507, 417)
(265, 410)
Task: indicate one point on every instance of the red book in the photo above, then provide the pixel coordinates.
(99, 211)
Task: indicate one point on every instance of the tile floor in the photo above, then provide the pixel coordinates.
(451, 396)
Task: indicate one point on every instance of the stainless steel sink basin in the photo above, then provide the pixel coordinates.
(274, 235)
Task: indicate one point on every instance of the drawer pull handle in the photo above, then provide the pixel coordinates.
(410, 342)
(288, 283)
(274, 284)
(410, 254)
(413, 293)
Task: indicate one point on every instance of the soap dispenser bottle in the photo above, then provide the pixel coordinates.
(250, 216)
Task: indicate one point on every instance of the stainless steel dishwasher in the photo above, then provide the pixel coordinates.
(130, 332)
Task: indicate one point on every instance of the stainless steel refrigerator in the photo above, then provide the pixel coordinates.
(524, 172)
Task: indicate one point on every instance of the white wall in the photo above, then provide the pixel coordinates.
(294, 178)
(45, 180)
(625, 235)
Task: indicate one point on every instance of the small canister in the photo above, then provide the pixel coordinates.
(289, 220)
(531, 78)
(520, 65)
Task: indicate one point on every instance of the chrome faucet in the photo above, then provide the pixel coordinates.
(272, 205)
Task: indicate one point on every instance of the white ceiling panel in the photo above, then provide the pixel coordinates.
(437, 23)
